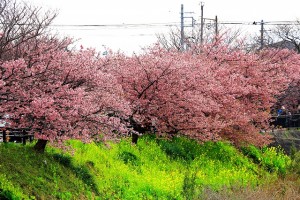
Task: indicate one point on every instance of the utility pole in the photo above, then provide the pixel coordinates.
(202, 23)
(183, 41)
(261, 34)
(216, 27)
(182, 29)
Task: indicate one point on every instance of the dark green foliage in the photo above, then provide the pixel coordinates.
(6, 195)
(180, 148)
(253, 152)
(65, 160)
(187, 149)
(129, 158)
(219, 151)
(81, 172)
(189, 185)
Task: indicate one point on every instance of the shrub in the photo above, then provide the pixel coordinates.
(180, 148)
(129, 158)
(272, 159)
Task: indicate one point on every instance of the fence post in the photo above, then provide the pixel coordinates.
(4, 136)
(24, 137)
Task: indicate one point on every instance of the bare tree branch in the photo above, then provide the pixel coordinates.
(21, 23)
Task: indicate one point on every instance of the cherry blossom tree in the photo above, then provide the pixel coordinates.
(209, 92)
(60, 94)
(289, 97)
(256, 80)
(57, 93)
(215, 93)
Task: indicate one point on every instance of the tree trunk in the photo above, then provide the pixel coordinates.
(40, 145)
(134, 138)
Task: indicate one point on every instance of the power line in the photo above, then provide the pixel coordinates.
(167, 24)
(163, 24)
(266, 23)
(110, 27)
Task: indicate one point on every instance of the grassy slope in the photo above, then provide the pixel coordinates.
(287, 138)
(26, 174)
(152, 169)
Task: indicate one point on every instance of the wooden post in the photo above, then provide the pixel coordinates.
(30, 138)
(24, 137)
(4, 136)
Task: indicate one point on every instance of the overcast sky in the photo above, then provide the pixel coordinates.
(148, 13)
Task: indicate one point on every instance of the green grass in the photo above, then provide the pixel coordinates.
(25, 174)
(153, 169)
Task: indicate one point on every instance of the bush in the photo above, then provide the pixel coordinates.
(273, 159)
(129, 158)
(180, 148)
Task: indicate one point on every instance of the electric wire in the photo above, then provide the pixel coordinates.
(168, 24)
